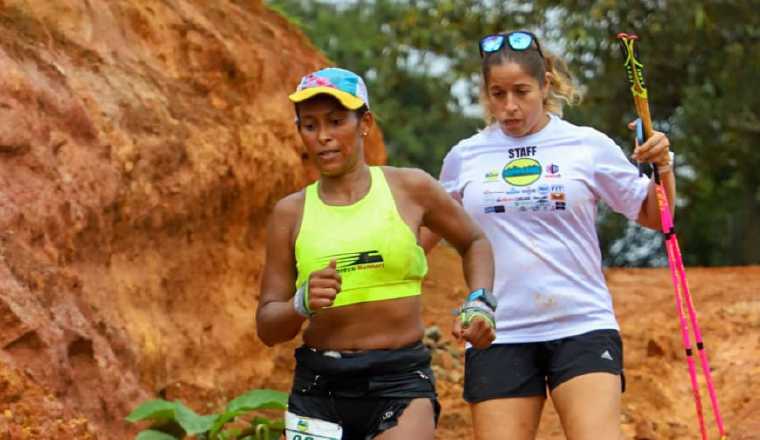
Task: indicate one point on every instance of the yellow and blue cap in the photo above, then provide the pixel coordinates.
(344, 85)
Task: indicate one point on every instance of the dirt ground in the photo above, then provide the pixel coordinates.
(658, 403)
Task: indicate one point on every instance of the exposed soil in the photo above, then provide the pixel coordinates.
(658, 403)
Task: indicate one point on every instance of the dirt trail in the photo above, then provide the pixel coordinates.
(658, 403)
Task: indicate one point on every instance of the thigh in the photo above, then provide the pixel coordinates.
(589, 406)
(504, 371)
(515, 418)
(417, 421)
(598, 351)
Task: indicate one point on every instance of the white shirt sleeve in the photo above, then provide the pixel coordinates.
(616, 180)
(451, 173)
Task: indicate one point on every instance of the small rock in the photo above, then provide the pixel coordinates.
(654, 349)
(433, 333)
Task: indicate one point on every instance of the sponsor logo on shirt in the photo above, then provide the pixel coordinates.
(521, 172)
(557, 196)
(353, 261)
(559, 206)
(494, 209)
(492, 176)
(552, 171)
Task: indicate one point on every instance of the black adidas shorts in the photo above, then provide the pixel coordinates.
(521, 370)
(364, 392)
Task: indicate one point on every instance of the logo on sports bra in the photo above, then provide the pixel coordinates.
(522, 172)
(352, 261)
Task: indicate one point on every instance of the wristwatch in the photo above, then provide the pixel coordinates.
(484, 296)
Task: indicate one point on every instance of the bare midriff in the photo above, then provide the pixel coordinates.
(372, 325)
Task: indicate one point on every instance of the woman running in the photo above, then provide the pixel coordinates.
(343, 257)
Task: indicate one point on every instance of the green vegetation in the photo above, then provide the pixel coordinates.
(421, 63)
(173, 420)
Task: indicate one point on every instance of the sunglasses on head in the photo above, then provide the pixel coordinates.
(517, 41)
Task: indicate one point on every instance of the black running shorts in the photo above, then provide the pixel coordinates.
(365, 392)
(527, 369)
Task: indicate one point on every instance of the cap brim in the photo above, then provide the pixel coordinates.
(349, 101)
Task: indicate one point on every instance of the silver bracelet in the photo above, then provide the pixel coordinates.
(301, 301)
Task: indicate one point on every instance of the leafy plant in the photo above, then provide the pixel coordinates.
(173, 420)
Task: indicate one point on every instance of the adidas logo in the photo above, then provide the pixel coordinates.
(606, 355)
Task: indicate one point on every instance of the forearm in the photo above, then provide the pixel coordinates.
(277, 322)
(652, 219)
(478, 264)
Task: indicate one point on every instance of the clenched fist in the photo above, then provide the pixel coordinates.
(324, 286)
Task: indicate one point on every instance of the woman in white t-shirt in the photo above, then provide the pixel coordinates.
(532, 181)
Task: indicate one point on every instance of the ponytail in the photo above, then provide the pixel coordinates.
(562, 88)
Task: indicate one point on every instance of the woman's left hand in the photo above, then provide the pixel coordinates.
(655, 150)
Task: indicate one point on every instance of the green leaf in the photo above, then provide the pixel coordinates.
(230, 434)
(259, 399)
(267, 429)
(278, 424)
(191, 422)
(158, 410)
(154, 435)
(250, 401)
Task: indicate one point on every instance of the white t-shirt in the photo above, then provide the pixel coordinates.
(536, 199)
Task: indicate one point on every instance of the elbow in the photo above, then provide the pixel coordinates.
(264, 336)
(653, 224)
(267, 338)
(268, 342)
(264, 333)
(273, 336)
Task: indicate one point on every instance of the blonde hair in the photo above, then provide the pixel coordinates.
(562, 88)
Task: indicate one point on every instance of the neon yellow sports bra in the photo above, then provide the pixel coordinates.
(376, 253)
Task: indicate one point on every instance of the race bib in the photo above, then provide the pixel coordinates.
(307, 428)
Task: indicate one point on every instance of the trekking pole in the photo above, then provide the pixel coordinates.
(635, 71)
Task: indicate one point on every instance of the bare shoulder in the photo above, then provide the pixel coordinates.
(292, 204)
(410, 180)
(287, 212)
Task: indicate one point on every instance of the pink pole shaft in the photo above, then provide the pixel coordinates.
(686, 341)
(672, 240)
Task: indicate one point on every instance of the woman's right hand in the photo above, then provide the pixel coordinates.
(324, 286)
(478, 332)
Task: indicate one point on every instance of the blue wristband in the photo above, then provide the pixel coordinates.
(484, 296)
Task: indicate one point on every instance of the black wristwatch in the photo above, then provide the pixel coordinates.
(485, 296)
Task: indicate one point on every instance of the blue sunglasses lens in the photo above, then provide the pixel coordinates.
(492, 43)
(520, 40)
